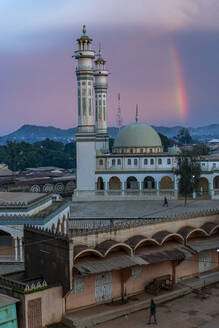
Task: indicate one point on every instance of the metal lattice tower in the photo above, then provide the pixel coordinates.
(119, 114)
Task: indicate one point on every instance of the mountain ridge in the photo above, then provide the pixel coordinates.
(32, 133)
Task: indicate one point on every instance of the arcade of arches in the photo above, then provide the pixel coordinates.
(166, 183)
(11, 243)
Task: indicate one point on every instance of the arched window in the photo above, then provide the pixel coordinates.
(168, 161)
(113, 162)
(135, 161)
(119, 161)
(129, 161)
(145, 161)
(159, 161)
(101, 162)
(152, 161)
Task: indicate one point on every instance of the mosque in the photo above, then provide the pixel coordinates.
(137, 167)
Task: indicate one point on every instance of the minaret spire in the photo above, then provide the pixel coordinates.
(136, 116)
(100, 86)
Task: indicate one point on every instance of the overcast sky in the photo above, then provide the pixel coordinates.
(37, 72)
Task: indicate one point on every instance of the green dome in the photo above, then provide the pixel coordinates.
(137, 135)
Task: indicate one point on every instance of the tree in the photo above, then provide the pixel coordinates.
(200, 149)
(165, 141)
(189, 171)
(184, 136)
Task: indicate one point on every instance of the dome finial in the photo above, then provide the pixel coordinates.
(136, 117)
(84, 29)
(100, 52)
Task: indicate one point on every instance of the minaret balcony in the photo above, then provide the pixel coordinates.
(101, 85)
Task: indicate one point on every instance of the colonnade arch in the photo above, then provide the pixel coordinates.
(149, 183)
(166, 183)
(132, 183)
(203, 185)
(216, 182)
(114, 183)
(100, 183)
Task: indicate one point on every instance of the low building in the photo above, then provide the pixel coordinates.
(8, 312)
(17, 209)
(40, 179)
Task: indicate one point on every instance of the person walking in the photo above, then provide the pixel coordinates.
(165, 202)
(152, 312)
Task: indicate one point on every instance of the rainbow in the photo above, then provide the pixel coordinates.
(181, 96)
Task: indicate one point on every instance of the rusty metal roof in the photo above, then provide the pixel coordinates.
(125, 261)
(203, 245)
(106, 265)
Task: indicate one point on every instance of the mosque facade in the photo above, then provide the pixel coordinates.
(136, 167)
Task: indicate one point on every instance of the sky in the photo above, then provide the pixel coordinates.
(162, 55)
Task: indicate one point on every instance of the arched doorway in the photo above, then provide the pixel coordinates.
(132, 183)
(114, 183)
(202, 187)
(6, 245)
(100, 183)
(216, 182)
(149, 183)
(166, 183)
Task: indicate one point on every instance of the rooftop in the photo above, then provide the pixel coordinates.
(140, 209)
(19, 198)
(7, 300)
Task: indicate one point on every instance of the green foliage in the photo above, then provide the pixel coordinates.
(19, 291)
(19, 156)
(184, 137)
(189, 172)
(200, 149)
(111, 142)
(165, 141)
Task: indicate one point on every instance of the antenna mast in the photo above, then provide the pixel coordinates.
(119, 115)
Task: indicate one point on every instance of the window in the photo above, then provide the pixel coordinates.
(159, 161)
(90, 107)
(145, 161)
(150, 150)
(113, 162)
(131, 151)
(129, 161)
(101, 162)
(203, 164)
(135, 161)
(214, 165)
(152, 161)
(141, 150)
(89, 83)
(83, 83)
(119, 161)
(89, 90)
(83, 92)
(84, 106)
(168, 161)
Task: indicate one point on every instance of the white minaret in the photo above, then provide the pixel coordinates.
(85, 136)
(100, 86)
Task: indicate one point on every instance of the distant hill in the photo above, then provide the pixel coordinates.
(33, 133)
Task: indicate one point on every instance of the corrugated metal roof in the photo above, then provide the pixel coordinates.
(7, 300)
(203, 245)
(126, 261)
(106, 265)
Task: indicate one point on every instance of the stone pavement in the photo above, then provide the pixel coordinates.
(105, 312)
(139, 208)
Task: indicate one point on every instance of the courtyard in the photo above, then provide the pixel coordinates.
(190, 311)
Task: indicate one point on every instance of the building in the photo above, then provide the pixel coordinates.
(17, 209)
(8, 312)
(40, 179)
(137, 167)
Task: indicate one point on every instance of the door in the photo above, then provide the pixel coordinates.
(34, 314)
(204, 261)
(103, 286)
